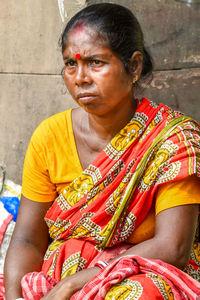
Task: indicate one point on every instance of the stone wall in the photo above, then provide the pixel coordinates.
(30, 64)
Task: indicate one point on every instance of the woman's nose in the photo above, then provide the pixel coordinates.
(82, 75)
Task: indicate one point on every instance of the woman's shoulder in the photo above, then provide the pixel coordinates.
(52, 126)
(55, 121)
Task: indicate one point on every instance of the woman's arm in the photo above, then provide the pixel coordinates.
(174, 234)
(28, 245)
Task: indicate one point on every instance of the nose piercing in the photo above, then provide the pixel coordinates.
(78, 56)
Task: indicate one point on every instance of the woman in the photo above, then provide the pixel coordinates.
(125, 171)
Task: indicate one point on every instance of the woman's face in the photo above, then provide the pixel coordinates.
(96, 77)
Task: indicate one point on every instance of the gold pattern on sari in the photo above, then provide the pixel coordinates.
(73, 264)
(128, 227)
(127, 135)
(162, 285)
(53, 265)
(151, 126)
(125, 290)
(58, 227)
(115, 198)
(80, 187)
(75, 192)
(52, 247)
(85, 227)
(160, 159)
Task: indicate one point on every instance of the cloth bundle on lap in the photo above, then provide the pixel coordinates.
(121, 274)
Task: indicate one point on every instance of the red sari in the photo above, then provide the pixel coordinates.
(98, 211)
(114, 194)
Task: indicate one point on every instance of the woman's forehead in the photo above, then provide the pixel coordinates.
(87, 52)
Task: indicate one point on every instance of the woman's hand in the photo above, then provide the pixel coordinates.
(63, 290)
(68, 286)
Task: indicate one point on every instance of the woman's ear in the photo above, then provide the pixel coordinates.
(136, 63)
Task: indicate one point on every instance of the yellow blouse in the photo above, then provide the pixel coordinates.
(52, 162)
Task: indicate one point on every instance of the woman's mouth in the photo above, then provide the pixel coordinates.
(85, 98)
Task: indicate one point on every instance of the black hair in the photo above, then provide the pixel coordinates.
(119, 27)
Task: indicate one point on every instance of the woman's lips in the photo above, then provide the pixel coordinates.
(86, 98)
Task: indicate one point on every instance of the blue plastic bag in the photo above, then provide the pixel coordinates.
(11, 204)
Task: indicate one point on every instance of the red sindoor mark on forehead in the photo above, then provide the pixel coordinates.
(78, 28)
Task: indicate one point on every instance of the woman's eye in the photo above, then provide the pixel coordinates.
(70, 63)
(96, 62)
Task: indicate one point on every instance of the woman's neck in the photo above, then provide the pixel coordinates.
(105, 127)
(92, 132)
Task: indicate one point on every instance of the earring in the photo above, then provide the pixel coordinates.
(135, 79)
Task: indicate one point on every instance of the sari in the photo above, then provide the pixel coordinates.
(95, 215)
(112, 197)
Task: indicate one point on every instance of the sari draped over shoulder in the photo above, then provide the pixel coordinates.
(100, 209)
